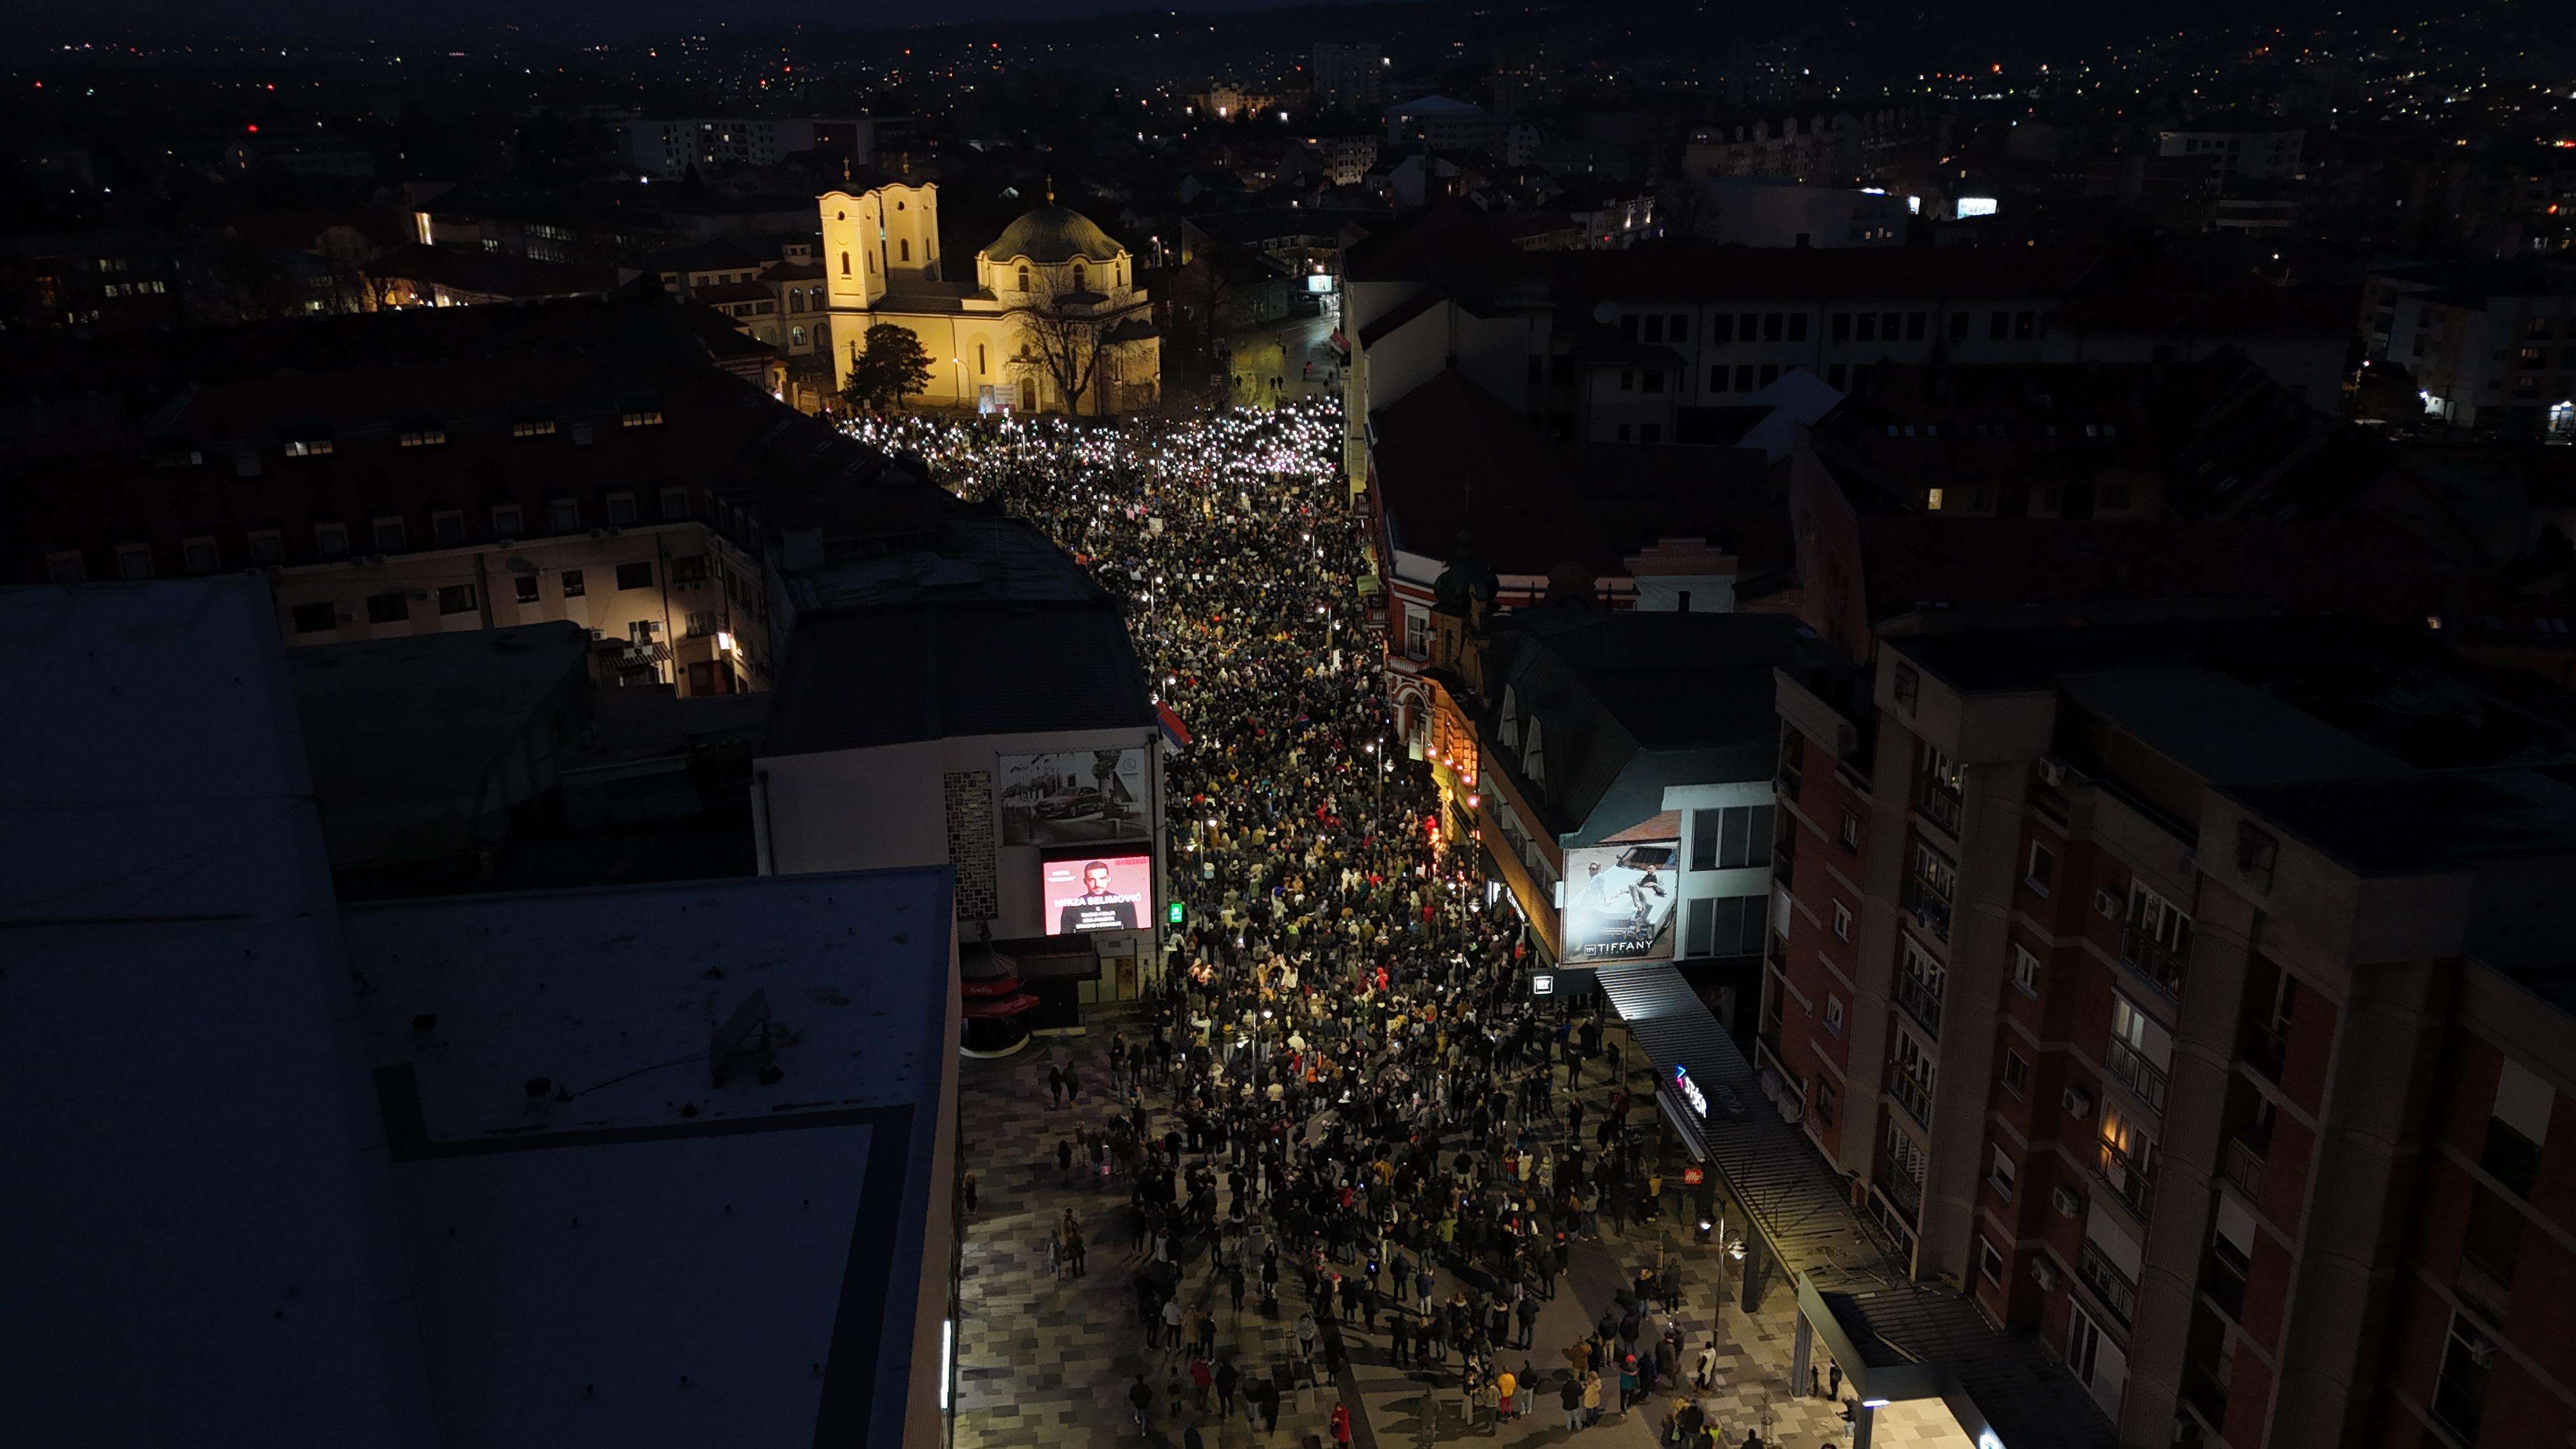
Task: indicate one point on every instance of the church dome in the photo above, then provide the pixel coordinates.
(1053, 234)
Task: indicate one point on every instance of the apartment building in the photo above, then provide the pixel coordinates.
(1350, 75)
(2491, 345)
(668, 148)
(590, 465)
(1698, 329)
(2193, 994)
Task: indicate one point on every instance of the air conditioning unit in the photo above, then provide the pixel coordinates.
(2052, 770)
(2066, 1202)
(2043, 1273)
(2107, 902)
(2077, 1102)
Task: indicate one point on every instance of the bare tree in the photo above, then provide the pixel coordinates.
(1068, 341)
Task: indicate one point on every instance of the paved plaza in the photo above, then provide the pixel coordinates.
(1049, 1360)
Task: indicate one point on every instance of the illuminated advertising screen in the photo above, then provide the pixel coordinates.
(1097, 893)
(1619, 903)
(1976, 206)
(1072, 797)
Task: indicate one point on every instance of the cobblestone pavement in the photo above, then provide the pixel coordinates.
(1043, 1360)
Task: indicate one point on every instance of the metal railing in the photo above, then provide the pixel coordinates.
(2224, 1282)
(2135, 1072)
(1922, 1001)
(1914, 1098)
(1900, 1191)
(2117, 1290)
(1938, 802)
(2265, 1047)
(1928, 906)
(2129, 1181)
(2162, 965)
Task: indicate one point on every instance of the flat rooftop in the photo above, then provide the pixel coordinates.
(605, 1245)
(611, 994)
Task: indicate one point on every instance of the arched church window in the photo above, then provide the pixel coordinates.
(1024, 277)
(796, 335)
(795, 299)
(845, 264)
(1081, 277)
(907, 249)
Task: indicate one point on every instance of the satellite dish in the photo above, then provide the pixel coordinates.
(1605, 313)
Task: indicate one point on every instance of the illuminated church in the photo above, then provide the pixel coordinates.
(1053, 307)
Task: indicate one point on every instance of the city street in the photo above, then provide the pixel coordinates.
(1339, 1042)
(1284, 351)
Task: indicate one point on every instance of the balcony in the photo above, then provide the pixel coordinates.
(2224, 1282)
(1921, 999)
(2116, 1289)
(1788, 783)
(2265, 1047)
(2206, 1393)
(1914, 1097)
(1939, 802)
(2160, 963)
(1901, 1192)
(2142, 1077)
(1784, 861)
(2130, 1180)
(1928, 905)
(2240, 1164)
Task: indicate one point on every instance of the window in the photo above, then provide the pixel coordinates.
(1834, 1015)
(621, 509)
(265, 546)
(198, 556)
(640, 416)
(1998, 326)
(635, 575)
(2016, 1073)
(1851, 832)
(1734, 837)
(1990, 1263)
(1680, 327)
(331, 540)
(1888, 322)
(2025, 971)
(1654, 379)
(390, 535)
(572, 584)
(1837, 376)
(845, 264)
(1773, 324)
(456, 599)
(1721, 328)
(1744, 377)
(423, 435)
(1931, 496)
(505, 521)
(66, 567)
(689, 569)
(533, 428)
(1822, 1096)
(563, 515)
(1628, 380)
(447, 527)
(1906, 685)
(675, 503)
(525, 587)
(1914, 324)
(2025, 326)
(316, 618)
(2460, 1393)
(1958, 326)
(1717, 378)
(388, 608)
(905, 254)
(2001, 1174)
(1081, 277)
(134, 561)
(1842, 327)
(2043, 868)
(1842, 921)
(308, 447)
(1797, 326)
(1770, 373)
(1417, 633)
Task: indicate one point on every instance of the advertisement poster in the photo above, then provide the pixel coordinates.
(1072, 797)
(1619, 903)
(1097, 893)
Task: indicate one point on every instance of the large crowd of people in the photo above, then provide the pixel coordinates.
(1342, 1094)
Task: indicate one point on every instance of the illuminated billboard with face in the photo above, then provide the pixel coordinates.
(1108, 892)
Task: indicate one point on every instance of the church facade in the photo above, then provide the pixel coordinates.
(1048, 317)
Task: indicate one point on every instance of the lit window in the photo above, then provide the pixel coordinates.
(641, 417)
(1932, 499)
(533, 428)
(422, 437)
(308, 447)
